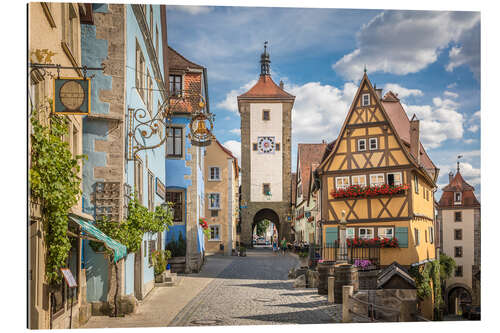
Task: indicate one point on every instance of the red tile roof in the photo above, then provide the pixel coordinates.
(458, 184)
(309, 154)
(401, 123)
(266, 88)
(177, 61)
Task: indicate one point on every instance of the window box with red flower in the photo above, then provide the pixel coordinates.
(373, 242)
(356, 191)
(204, 225)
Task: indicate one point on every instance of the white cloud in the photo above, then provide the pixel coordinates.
(469, 141)
(473, 128)
(471, 174)
(402, 91)
(193, 10)
(438, 122)
(236, 131)
(319, 110)
(230, 102)
(235, 147)
(451, 85)
(403, 42)
(450, 94)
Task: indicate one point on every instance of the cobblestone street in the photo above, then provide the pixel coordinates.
(255, 290)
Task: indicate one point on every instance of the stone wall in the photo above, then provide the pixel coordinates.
(476, 267)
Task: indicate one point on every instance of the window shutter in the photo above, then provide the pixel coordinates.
(402, 236)
(331, 235)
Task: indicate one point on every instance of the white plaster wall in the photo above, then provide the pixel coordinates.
(467, 243)
(266, 168)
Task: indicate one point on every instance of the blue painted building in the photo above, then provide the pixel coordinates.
(129, 41)
(184, 162)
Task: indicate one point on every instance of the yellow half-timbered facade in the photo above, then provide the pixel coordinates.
(379, 177)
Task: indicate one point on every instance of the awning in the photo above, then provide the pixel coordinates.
(119, 250)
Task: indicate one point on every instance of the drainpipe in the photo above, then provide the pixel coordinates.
(116, 289)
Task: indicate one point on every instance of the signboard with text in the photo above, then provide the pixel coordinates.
(160, 188)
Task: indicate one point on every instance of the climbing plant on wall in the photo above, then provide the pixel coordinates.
(139, 221)
(427, 279)
(55, 185)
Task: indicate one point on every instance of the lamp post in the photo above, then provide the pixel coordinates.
(343, 238)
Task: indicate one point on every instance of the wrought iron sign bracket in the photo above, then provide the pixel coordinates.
(58, 67)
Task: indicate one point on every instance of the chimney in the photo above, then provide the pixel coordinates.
(415, 138)
(378, 91)
(450, 177)
(282, 85)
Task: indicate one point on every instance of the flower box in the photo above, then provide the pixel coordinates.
(374, 242)
(356, 191)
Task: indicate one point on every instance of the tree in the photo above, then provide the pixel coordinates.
(447, 265)
(262, 227)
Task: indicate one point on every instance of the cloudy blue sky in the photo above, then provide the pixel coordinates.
(430, 58)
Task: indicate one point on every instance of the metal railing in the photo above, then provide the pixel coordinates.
(334, 252)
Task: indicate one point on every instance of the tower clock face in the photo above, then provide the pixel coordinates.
(265, 144)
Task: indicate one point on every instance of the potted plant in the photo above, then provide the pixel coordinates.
(243, 251)
(303, 256)
(160, 260)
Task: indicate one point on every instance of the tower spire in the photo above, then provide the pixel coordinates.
(458, 162)
(265, 61)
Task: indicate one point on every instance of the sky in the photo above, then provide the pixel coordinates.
(431, 59)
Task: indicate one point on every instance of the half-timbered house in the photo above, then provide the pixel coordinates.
(379, 178)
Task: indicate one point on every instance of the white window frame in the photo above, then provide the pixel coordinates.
(455, 197)
(382, 232)
(377, 183)
(364, 237)
(363, 96)
(210, 174)
(358, 177)
(350, 233)
(370, 143)
(400, 178)
(359, 144)
(210, 207)
(213, 239)
(343, 185)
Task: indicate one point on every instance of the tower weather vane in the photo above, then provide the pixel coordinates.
(265, 61)
(458, 162)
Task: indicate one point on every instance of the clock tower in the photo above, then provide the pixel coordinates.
(266, 126)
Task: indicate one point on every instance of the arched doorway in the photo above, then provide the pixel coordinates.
(269, 215)
(458, 295)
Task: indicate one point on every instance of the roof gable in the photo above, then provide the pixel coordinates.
(458, 184)
(364, 85)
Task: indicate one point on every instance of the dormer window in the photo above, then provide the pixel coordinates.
(458, 198)
(365, 100)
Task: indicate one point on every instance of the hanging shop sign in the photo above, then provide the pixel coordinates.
(69, 278)
(160, 189)
(71, 96)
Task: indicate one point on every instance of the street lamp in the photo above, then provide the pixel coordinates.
(343, 238)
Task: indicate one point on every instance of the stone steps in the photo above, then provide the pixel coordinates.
(169, 280)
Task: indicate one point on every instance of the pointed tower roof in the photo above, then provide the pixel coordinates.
(265, 88)
(458, 184)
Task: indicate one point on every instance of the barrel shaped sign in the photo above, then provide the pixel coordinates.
(71, 96)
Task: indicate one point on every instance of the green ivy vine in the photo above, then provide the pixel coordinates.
(423, 278)
(139, 221)
(55, 185)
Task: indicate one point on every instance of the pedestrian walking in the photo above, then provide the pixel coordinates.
(275, 246)
(283, 245)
